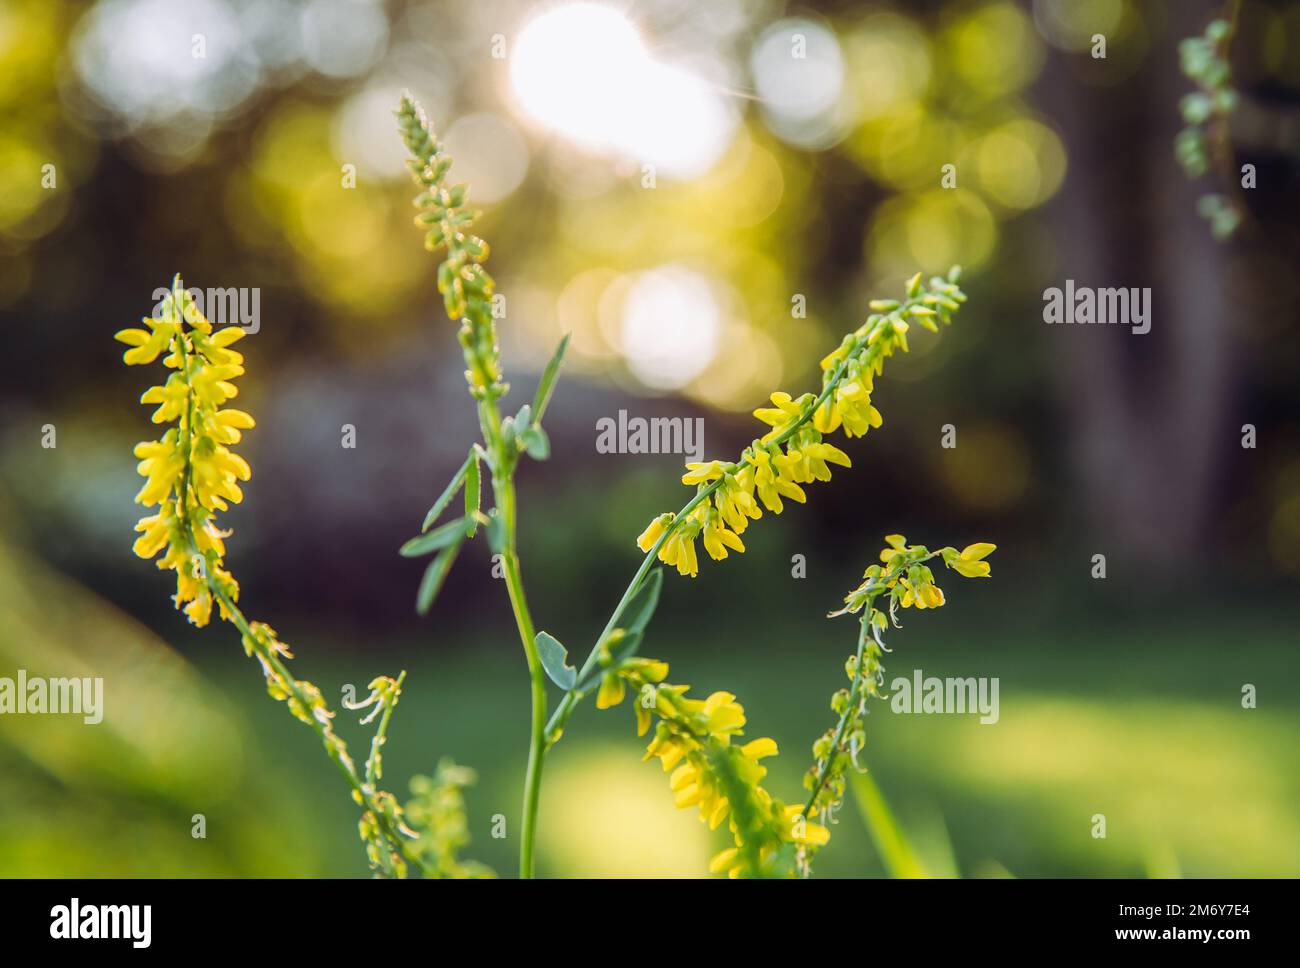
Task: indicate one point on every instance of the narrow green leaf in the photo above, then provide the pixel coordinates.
(472, 495)
(434, 576)
(547, 384)
(636, 616)
(434, 540)
(444, 499)
(555, 660)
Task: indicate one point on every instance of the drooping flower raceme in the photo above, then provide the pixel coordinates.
(693, 738)
(793, 452)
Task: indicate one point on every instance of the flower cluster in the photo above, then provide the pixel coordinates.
(190, 472)
(793, 452)
(907, 580)
(693, 740)
(465, 285)
(1205, 140)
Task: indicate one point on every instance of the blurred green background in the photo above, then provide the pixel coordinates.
(663, 180)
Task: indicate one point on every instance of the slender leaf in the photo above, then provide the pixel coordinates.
(472, 495)
(434, 576)
(555, 660)
(435, 540)
(444, 499)
(892, 845)
(638, 612)
(547, 384)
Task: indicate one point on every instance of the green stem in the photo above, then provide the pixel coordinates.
(503, 487)
(847, 715)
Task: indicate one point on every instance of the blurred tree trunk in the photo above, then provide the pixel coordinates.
(1145, 415)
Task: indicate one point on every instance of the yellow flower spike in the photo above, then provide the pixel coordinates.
(792, 453)
(189, 472)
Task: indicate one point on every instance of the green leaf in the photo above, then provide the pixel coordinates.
(523, 419)
(638, 612)
(435, 540)
(444, 499)
(536, 443)
(434, 576)
(472, 495)
(547, 384)
(555, 660)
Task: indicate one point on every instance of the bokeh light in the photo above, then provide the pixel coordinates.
(583, 71)
(672, 324)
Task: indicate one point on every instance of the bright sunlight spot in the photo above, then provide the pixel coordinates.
(671, 326)
(583, 71)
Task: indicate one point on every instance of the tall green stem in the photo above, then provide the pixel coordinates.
(503, 488)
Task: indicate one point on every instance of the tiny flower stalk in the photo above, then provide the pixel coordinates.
(906, 580)
(190, 475)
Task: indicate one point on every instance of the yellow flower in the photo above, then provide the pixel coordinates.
(654, 531)
(611, 691)
(702, 473)
(785, 412)
(799, 830)
(717, 538)
(970, 561)
(897, 545)
(735, 500)
(853, 403)
(770, 484)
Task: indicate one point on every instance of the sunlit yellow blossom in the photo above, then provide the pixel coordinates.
(189, 472)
